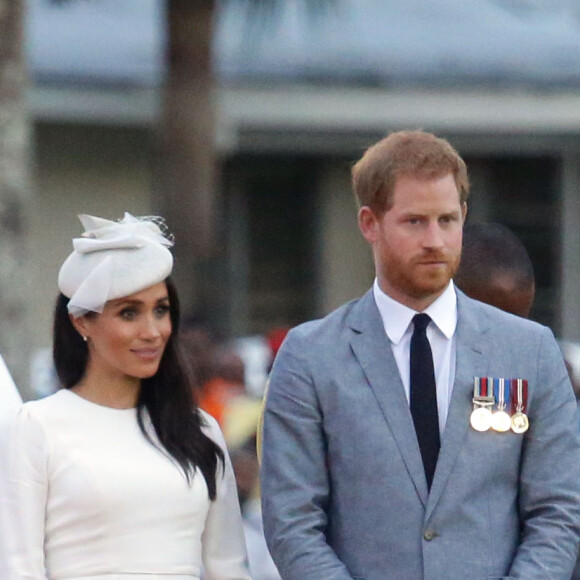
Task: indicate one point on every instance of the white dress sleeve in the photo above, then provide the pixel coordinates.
(223, 544)
(23, 496)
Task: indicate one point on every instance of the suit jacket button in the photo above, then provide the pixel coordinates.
(429, 535)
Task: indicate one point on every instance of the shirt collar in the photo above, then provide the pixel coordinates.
(397, 317)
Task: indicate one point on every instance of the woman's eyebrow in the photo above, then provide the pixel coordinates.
(136, 302)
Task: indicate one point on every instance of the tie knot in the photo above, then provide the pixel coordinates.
(421, 321)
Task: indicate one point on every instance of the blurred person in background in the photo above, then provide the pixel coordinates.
(118, 473)
(10, 402)
(197, 343)
(224, 384)
(239, 413)
(495, 268)
(10, 399)
(275, 338)
(246, 467)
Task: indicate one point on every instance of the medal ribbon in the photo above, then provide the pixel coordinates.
(501, 390)
(519, 395)
(483, 391)
(478, 386)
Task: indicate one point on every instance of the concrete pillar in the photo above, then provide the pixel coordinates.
(570, 244)
(346, 265)
(238, 262)
(478, 203)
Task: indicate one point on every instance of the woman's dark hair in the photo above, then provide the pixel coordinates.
(167, 396)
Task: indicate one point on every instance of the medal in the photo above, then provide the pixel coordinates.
(481, 419)
(483, 400)
(520, 422)
(500, 420)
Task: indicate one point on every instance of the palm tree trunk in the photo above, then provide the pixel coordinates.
(185, 190)
(15, 196)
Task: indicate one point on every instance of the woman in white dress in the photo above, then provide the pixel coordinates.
(118, 476)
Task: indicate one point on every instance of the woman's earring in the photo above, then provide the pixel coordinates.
(84, 337)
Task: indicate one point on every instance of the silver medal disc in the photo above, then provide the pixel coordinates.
(500, 421)
(481, 419)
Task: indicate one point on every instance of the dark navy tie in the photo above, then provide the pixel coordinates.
(424, 396)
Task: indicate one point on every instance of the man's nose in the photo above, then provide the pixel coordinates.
(433, 236)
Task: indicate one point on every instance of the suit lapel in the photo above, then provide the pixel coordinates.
(471, 361)
(373, 351)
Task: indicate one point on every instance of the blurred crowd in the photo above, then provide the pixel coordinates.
(231, 378)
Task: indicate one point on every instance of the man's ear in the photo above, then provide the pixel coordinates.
(368, 223)
(464, 211)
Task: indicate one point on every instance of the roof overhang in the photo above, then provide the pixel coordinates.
(330, 120)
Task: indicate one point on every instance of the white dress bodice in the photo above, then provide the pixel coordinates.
(87, 496)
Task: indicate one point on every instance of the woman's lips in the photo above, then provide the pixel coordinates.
(146, 353)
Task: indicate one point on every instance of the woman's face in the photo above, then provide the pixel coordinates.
(129, 337)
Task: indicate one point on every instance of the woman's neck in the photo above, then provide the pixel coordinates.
(118, 393)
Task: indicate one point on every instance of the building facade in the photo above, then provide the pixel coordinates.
(294, 111)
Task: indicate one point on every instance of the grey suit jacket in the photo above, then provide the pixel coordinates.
(343, 488)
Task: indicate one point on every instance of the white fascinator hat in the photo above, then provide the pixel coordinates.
(112, 260)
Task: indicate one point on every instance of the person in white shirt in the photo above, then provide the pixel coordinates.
(10, 402)
(118, 475)
(10, 399)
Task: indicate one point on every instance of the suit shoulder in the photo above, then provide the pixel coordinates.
(318, 329)
(498, 319)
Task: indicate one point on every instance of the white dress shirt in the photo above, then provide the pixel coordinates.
(397, 321)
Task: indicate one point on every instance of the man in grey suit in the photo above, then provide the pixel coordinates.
(388, 456)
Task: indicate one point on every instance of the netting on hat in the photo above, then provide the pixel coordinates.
(161, 224)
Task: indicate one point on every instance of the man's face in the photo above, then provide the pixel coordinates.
(417, 243)
(503, 291)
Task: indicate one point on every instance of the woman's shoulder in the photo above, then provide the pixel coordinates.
(211, 428)
(207, 419)
(45, 404)
(35, 421)
(49, 408)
